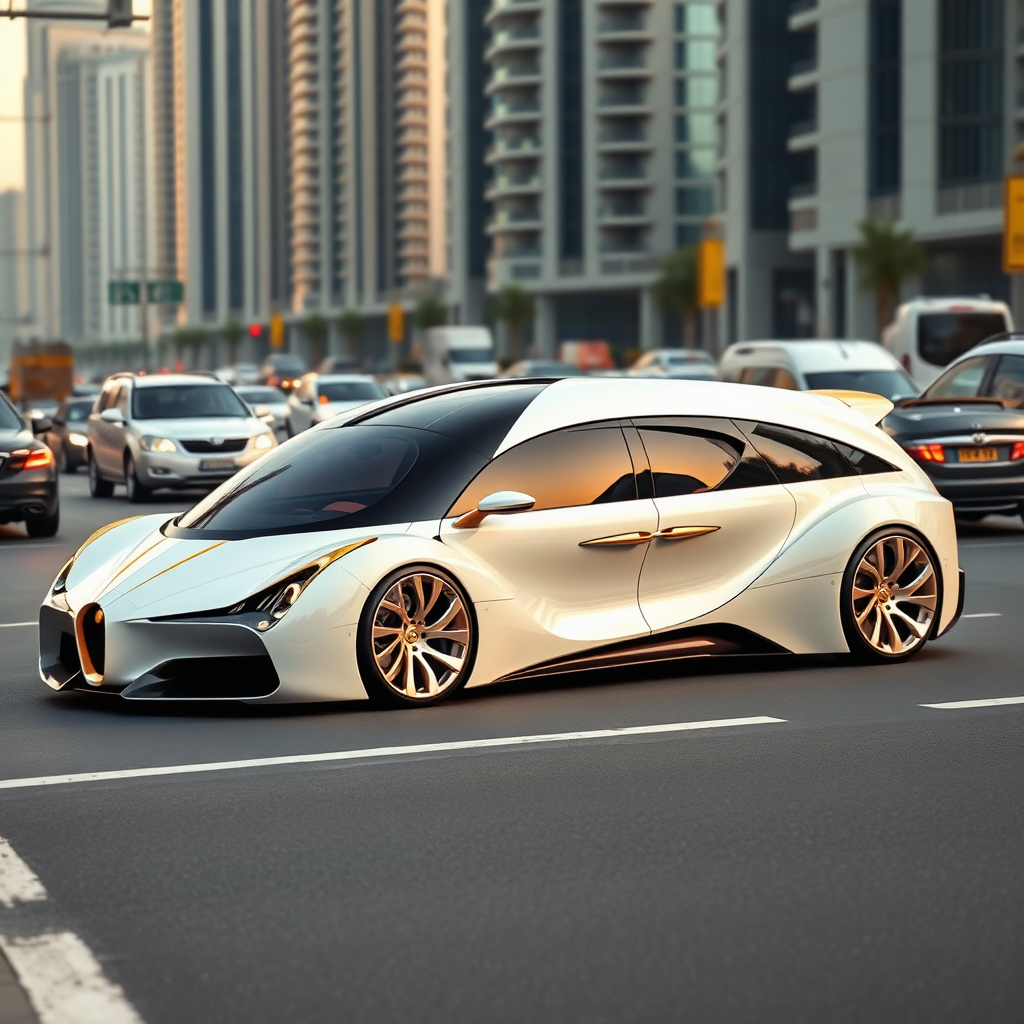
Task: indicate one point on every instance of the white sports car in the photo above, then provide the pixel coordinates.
(480, 532)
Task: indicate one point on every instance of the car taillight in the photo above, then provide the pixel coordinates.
(927, 452)
(1017, 451)
(273, 381)
(38, 459)
(324, 400)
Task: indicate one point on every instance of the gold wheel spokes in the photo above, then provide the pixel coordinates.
(421, 636)
(895, 595)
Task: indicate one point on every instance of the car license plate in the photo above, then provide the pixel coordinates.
(217, 465)
(977, 454)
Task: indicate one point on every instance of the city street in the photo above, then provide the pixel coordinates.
(858, 859)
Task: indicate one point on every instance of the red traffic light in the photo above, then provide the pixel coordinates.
(255, 330)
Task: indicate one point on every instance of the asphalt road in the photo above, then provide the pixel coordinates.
(860, 860)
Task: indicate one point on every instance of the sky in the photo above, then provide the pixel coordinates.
(12, 72)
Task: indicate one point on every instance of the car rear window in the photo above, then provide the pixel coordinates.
(9, 419)
(261, 396)
(78, 412)
(942, 337)
(796, 456)
(350, 391)
(186, 401)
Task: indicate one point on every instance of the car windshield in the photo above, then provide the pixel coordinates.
(9, 419)
(186, 401)
(364, 475)
(350, 391)
(78, 412)
(682, 358)
(287, 364)
(261, 396)
(551, 370)
(942, 337)
(890, 383)
(470, 355)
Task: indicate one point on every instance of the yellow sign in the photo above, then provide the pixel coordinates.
(276, 330)
(711, 273)
(396, 322)
(1013, 226)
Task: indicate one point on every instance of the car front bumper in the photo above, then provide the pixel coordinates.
(185, 469)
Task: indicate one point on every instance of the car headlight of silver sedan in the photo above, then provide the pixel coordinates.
(261, 442)
(158, 444)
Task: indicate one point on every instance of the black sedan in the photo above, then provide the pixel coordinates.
(28, 474)
(67, 434)
(967, 430)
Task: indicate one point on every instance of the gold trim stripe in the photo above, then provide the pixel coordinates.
(176, 564)
(124, 568)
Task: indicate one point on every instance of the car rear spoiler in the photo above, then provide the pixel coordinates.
(875, 407)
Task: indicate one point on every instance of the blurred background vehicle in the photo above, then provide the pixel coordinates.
(172, 430)
(542, 368)
(926, 335)
(341, 364)
(67, 437)
(402, 383)
(675, 363)
(817, 365)
(454, 354)
(262, 396)
(587, 355)
(967, 430)
(318, 398)
(28, 473)
(84, 390)
(282, 370)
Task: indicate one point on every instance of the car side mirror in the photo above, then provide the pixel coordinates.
(261, 411)
(498, 503)
(114, 416)
(41, 424)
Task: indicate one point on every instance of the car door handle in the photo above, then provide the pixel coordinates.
(684, 532)
(619, 540)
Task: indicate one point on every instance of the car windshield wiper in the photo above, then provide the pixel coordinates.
(218, 506)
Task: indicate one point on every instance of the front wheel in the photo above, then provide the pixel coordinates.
(98, 487)
(417, 638)
(890, 596)
(135, 491)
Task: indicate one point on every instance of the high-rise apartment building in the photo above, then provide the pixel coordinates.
(902, 110)
(12, 242)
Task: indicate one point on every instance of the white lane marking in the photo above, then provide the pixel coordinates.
(64, 982)
(12, 625)
(991, 702)
(983, 615)
(378, 752)
(18, 882)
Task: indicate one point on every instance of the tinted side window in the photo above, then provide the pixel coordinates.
(106, 399)
(121, 402)
(963, 381)
(864, 462)
(795, 456)
(559, 470)
(1008, 382)
(784, 379)
(684, 462)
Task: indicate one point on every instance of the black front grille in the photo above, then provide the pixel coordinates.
(238, 677)
(95, 636)
(67, 655)
(229, 444)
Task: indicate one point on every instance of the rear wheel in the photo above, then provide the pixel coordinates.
(417, 638)
(891, 596)
(98, 487)
(135, 491)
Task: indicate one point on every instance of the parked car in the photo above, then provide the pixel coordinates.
(817, 366)
(926, 335)
(170, 430)
(262, 396)
(675, 363)
(318, 398)
(542, 368)
(282, 370)
(28, 473)
(67, 436)
(967, 430)
(340, 364)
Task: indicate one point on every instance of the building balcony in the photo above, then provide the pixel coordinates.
(623, 214)
(523, 37)
(623, 27)
(513, 184)
(625, 4)
(508, 221)
(630, 265)
(803, 14)
(513, 75)
(513, 112)
(623, 177)
(632, 138)
(623, 101)
(803, 74)
(501, 9)
(803, 192)
(513, 149)
(802, 136)
(623, 65)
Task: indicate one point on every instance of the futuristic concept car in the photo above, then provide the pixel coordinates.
(479, 532)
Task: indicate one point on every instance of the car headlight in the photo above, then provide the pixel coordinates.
(79, 439)
(158, 444)
(60, 584)
(262, 442)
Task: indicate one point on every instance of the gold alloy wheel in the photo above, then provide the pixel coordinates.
(895, 593)
(421, 636)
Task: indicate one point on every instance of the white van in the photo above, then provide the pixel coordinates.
(817, 366)
(926, 335)
(455, 354)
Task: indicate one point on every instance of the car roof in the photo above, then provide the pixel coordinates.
(818, 355)
(157, 380)
(343, 378)
(955, 303)
(1002, 347)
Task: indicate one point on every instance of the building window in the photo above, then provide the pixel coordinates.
(688, 234)
(697, 91)
(696, 19)
(884, 96)
(698, 129)
(695, 55)
(970, 91)
(695, 163)
(695, 202)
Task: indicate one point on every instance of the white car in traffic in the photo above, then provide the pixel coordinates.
(318, 397)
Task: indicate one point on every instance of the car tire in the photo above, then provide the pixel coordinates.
(44, 525)
(423, 668)
(98, 487)
(891, 596)
(63, 465)
(288, 432)
(134, 491)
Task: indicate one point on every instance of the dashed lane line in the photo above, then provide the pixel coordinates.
(991, 702)
(13, 625)
(376, 753)
(983, 615)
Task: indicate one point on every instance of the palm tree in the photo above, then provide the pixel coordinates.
(514, 306)
(315, 328)
(887, 257)
(430, 312)
(676, 289)
(232, 332)
(351, 325)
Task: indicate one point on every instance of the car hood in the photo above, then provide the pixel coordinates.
(134, 571)
(940, 419)
(200, 428)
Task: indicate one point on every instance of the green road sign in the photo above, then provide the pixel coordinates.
(123, 293)
(164, 292)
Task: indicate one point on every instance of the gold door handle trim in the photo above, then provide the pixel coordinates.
(619, 540)
(685, 532)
